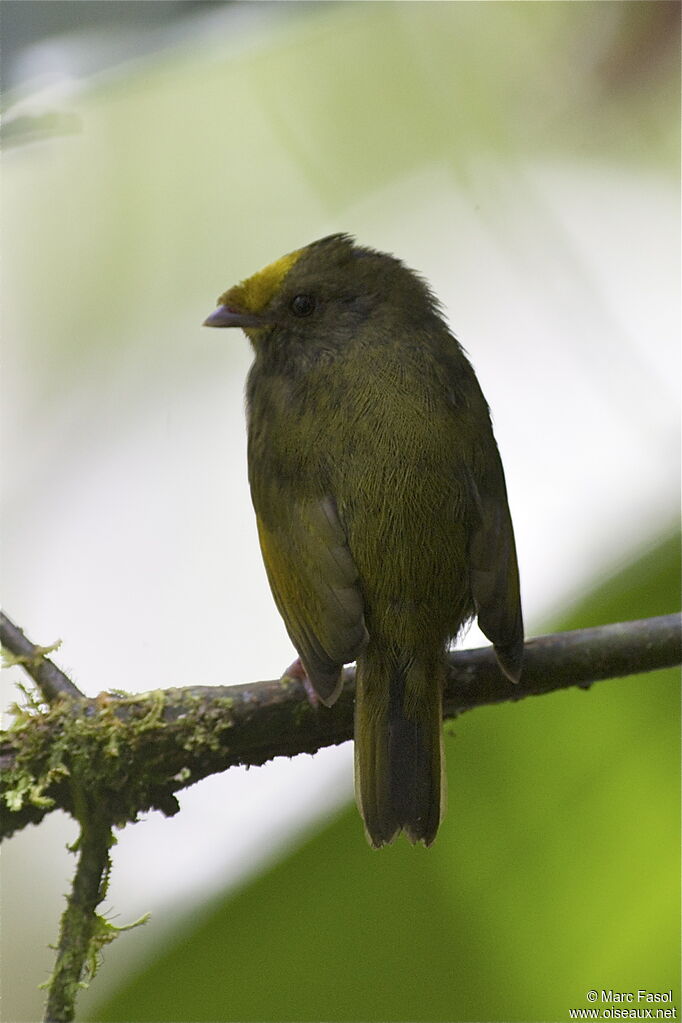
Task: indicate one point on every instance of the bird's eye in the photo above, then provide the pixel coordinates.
(302, 305)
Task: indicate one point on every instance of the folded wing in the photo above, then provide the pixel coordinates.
(494, 570)
(315, 585)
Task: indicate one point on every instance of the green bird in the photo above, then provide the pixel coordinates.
(381, 504)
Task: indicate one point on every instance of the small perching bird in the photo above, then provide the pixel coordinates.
(381, 504)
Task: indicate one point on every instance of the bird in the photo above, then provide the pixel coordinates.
(380, 502)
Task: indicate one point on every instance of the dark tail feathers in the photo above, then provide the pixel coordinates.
(399, 780)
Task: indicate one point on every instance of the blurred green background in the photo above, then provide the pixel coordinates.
(525, 158)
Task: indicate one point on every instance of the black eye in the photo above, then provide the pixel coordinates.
(302, 305)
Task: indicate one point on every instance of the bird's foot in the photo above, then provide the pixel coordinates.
(297, 671)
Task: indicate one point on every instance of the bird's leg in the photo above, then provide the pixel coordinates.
(297, 671)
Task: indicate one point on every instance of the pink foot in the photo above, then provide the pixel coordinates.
(296, 670)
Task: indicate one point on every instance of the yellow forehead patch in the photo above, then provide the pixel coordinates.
(255, 292)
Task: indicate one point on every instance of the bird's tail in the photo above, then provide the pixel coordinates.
(399, 776)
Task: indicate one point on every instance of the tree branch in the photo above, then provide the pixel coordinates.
(82, 931)
(137, 751)
(52, 682)
(107, 759)
(565, 659)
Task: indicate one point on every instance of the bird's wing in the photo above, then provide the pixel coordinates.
(493, 567)
(315, 585)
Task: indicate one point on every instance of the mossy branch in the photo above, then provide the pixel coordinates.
(137, 751)
(82, 929)
(51, 681)
(105, 760)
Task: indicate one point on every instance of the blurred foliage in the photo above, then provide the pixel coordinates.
(555, 871)
(283, 139)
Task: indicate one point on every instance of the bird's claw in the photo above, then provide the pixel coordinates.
(297, 671)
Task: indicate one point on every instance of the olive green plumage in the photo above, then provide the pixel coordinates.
(381, 504)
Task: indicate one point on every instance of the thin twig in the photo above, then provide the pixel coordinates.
(78, 945)
(52, 682)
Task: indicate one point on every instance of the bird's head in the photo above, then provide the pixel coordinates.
(323, 294)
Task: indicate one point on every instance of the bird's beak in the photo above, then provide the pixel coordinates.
(223, 316)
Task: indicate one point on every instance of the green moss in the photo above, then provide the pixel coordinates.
(103, 933)
(209, 722)
(127, 752)
(112, 757)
